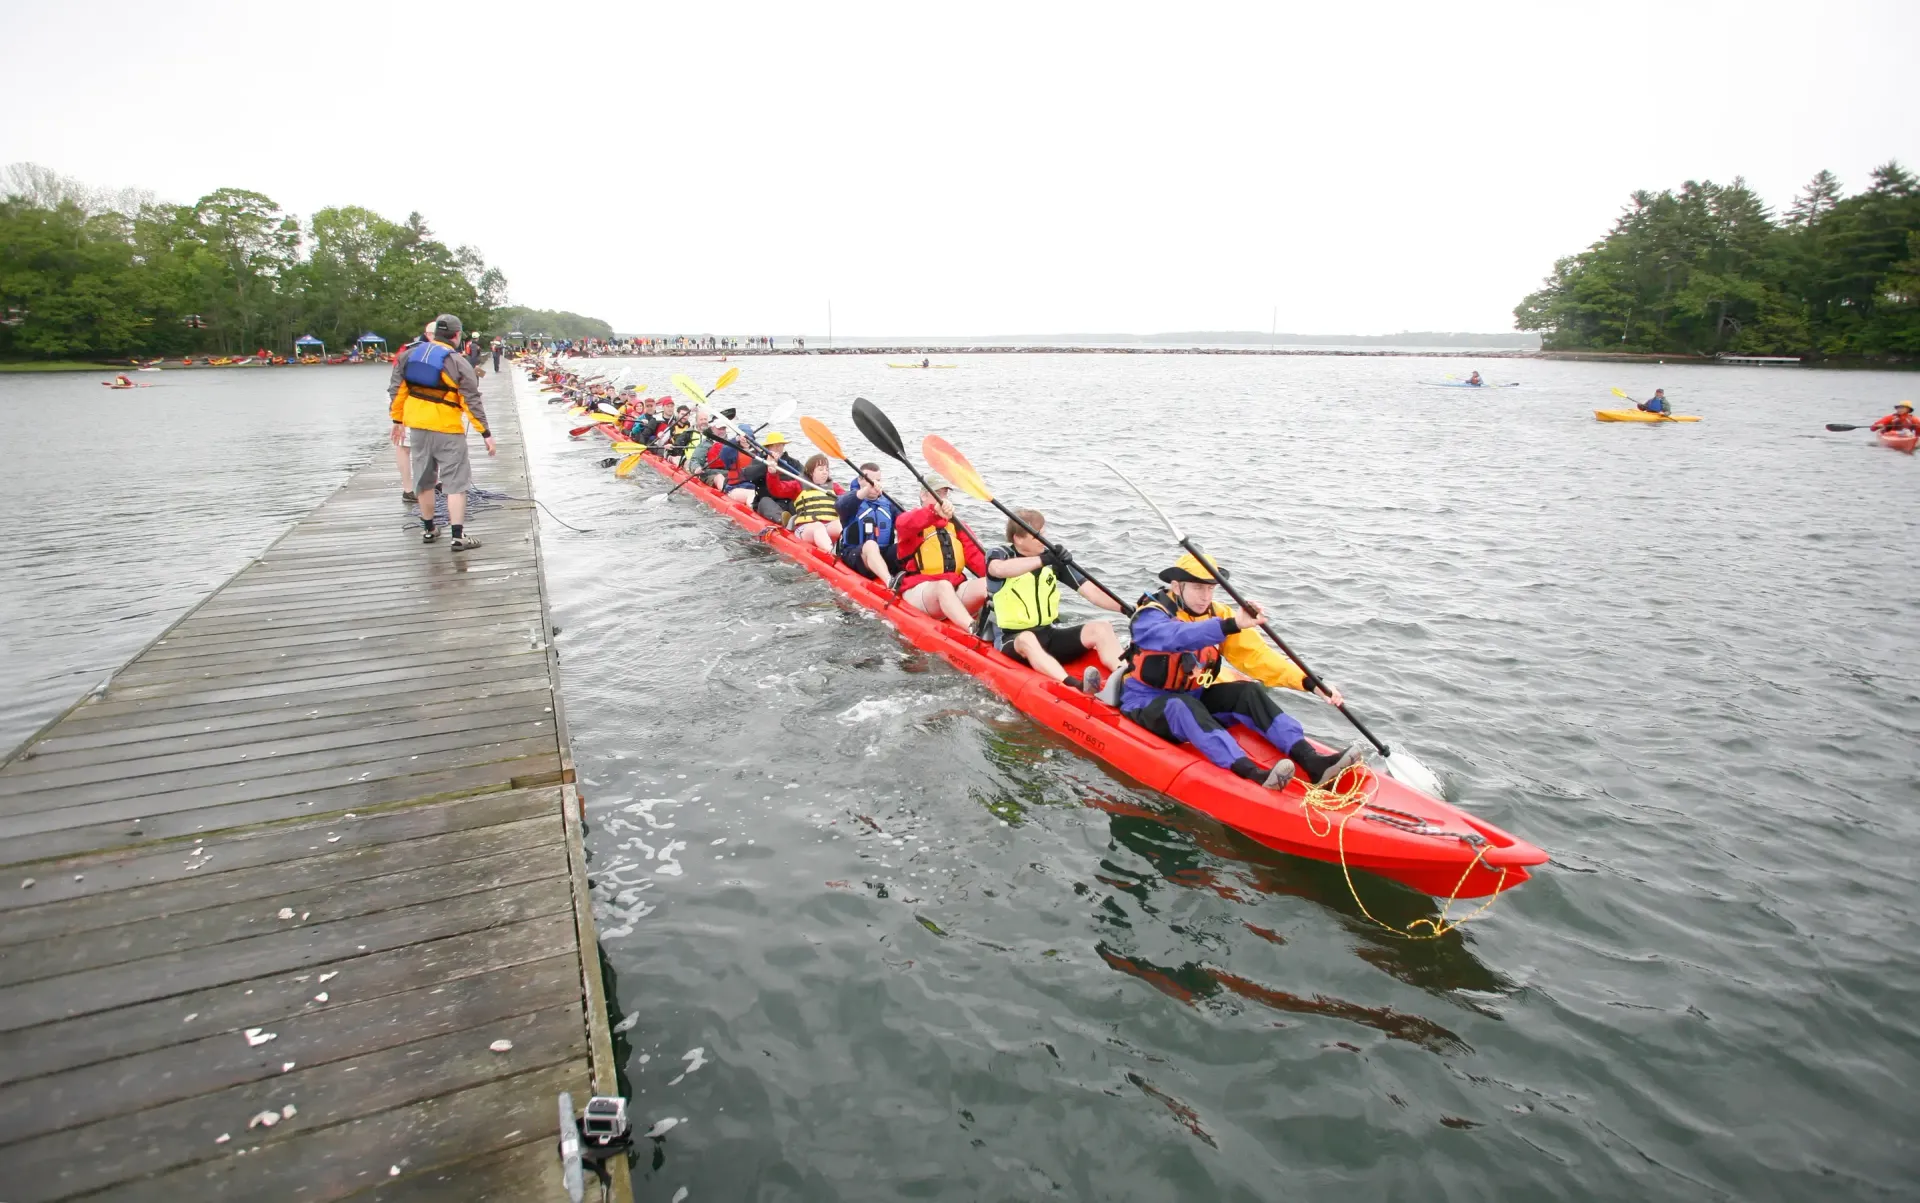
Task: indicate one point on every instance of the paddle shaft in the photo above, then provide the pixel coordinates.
(1194, 550)
(858, 476)
(908, 464)
(1125, 608)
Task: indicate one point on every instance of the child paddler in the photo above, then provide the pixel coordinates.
(1023, 606)
(815, 518)
(935, 554)
(1179, 639)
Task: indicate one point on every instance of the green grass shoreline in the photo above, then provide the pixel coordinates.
(60, 365)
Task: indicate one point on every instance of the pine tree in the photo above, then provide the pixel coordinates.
(1820, 195)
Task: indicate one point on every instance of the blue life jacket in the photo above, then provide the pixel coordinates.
(1656, 405)
(425, 372)
(871, 520)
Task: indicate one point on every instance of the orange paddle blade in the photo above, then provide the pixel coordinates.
(943, 457)
(818, 434)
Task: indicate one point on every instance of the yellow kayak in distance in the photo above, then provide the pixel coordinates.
(1635, 415)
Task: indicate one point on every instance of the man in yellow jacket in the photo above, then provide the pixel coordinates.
(432, 395)
(1180, 638)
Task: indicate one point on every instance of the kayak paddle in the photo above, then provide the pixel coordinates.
(880, 432)
(1406, 768)
(1845, 426)
(948, 462)
(820, 435)
(1624, 396)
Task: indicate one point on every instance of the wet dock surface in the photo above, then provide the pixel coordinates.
(295, 907)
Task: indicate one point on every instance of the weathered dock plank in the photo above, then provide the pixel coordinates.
(314, 853)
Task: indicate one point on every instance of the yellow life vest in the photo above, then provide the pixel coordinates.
(1029, 600)
(813, 506)
(939, 552)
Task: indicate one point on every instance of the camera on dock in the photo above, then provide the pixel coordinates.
(604, 1123)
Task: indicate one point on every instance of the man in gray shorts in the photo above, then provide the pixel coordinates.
(434, 393)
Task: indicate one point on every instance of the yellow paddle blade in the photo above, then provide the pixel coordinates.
(1623, 395)
(625, 467)
(686, 385)
(943, 457)
(727, 377)
(627, 447)
(818, 434)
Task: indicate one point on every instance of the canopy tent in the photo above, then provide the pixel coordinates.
(371, 337)
(308, 340)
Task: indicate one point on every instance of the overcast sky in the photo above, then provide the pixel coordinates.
(983, 168)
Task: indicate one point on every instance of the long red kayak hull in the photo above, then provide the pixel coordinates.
(1442, 860)
(1900, 441)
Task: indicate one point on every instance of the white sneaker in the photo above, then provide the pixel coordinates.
(1280, 775)
(1345, 761)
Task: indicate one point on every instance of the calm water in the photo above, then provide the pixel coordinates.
(126, 508)
(880, 938)
(883, 939)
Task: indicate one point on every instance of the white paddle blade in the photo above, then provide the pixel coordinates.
(1406, 768)
(1158, 512)
(782, 412)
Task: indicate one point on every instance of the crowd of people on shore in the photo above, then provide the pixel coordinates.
(593, 348)
(1172, 675)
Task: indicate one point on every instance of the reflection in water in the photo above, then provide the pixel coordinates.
(1188, 849)
(1195, 982)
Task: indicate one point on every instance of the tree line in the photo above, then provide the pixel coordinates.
(86, 273)
(1710, 269)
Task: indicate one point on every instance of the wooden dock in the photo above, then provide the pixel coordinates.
(272, 901)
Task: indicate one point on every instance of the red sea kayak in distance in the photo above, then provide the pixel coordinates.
(1400, 833)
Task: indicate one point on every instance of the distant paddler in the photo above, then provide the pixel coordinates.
(1656, 404)
(1900, 421)
(1474, 380)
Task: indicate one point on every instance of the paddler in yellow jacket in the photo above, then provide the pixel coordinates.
(433, 394)
(1179, 639)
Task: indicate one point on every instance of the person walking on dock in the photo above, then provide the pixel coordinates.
(433, 392)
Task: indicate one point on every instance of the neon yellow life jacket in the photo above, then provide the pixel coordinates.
(1029, 600)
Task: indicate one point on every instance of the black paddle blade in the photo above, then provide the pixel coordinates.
(610, 461)
(1840, 426)
(878, 429)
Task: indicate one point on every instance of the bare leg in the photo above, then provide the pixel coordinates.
(875, 562)
(939, 597)
(404, 462)
(1098, 637)
(457, 509)
(973, 594)
(1030, 650)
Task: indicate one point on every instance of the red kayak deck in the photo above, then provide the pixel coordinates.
(1398, 832)
(1900, 441)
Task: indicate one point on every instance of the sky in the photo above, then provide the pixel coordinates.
(988, 168)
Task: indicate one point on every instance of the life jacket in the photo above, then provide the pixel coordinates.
(871, 520)
(939, 552)
(426, 375)
(813, 506)
(1897, 421)
(1175, 672)
(1029, 600)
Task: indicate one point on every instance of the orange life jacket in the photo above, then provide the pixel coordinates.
(1175, 672)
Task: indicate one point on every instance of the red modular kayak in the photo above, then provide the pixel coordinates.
(1900, 440)
(1398, 833)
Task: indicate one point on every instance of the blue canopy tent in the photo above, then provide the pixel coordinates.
(370, 337)
(308, 340)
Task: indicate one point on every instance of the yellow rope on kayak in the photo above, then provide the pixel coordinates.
(1344, 796)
